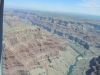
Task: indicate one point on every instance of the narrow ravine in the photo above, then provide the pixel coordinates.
(75, 63)
(72, 66)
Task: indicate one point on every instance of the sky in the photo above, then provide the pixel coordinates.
(90, 7)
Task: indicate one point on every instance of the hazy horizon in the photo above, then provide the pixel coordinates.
(89, 7)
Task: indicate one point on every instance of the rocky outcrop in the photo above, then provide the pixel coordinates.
(94, 67)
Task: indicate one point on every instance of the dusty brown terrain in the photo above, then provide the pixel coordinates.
(37, 44)
(26, 48)
(20, 47)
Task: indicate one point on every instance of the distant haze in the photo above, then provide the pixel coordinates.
(90, 7)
